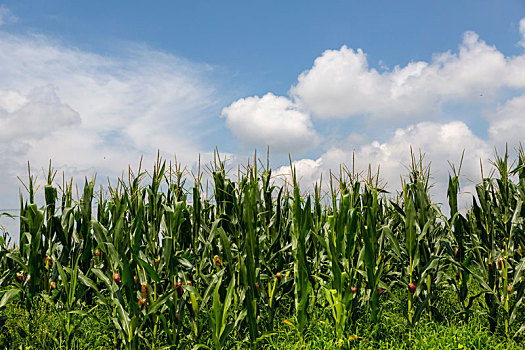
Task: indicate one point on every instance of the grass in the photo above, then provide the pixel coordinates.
(43, 329)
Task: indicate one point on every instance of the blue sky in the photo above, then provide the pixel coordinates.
(263, 45)
(94, 85)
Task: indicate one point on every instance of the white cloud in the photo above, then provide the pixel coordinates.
(522, 32)
(33, 117)
(10, 101)
(92, 113)
(271, 120)
(6, 16)
(308, 171)
(118, 106)
(507, 122)
(440, 143)
(341, 84)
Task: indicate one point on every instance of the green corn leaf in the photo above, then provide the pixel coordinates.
(160, 302)
(63, 277)
(394, 241)
(17, 259)
(410, 228)
(150, 271)
(7, 296)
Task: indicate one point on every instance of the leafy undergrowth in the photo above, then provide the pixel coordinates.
(43, 329)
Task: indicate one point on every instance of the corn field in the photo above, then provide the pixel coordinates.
(176, 267)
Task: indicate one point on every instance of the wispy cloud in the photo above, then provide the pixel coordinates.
(103, 105)
(6, 16)
(522, 32)
(96, 113)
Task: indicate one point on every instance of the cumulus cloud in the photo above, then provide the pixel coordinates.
(341, 84)
(412, 98)
(271, 120)
(439, 143)
(507, 122)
